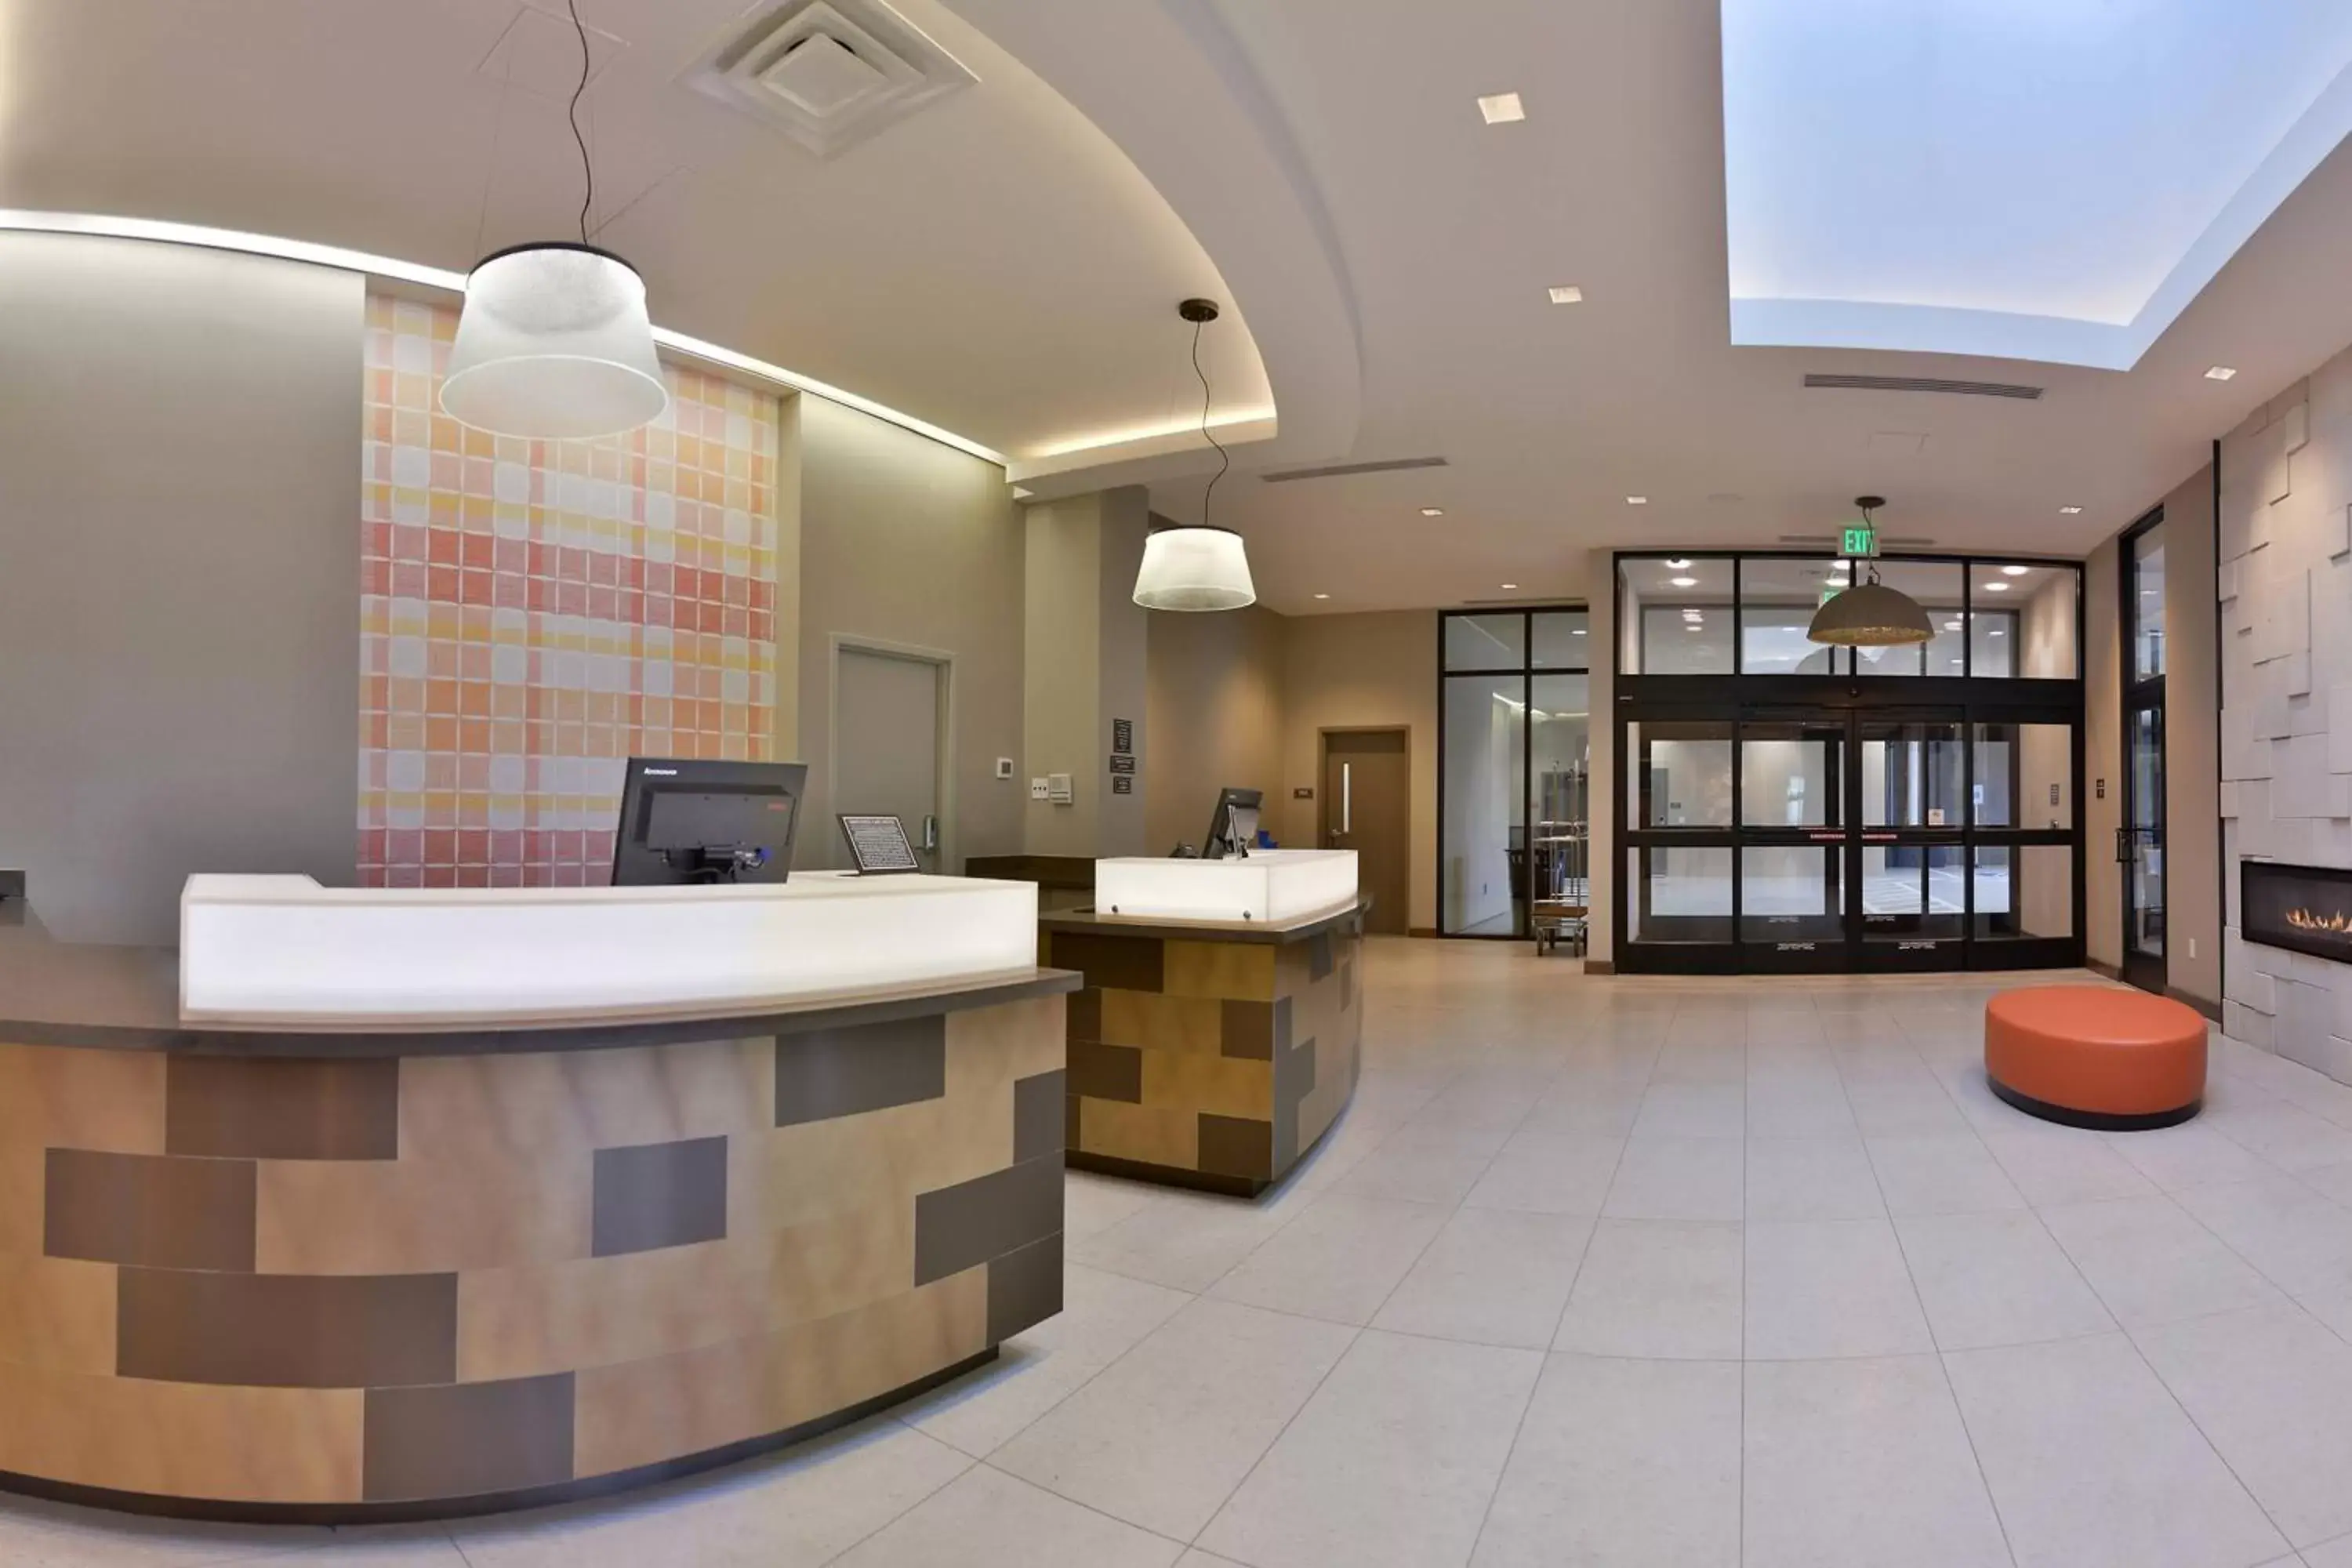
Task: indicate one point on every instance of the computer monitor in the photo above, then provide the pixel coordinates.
(688, 821)
(1234, 828)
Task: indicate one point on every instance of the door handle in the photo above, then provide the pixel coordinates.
(2123, 845)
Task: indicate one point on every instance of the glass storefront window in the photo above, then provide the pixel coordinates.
(1788, 774)
(1792, 892)
(1676, 612)
(2024, 621)
(2024, 890)
(1680, 776)
(1777, 601)
(2147, 605)
(1561, 640)
(1559, 727)
(2024, 775)
(1937, 586)
(1484, 825)
(1486, 642)
(1678, 894)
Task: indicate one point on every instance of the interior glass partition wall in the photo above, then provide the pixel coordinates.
(1793, 807)
(1514, 737)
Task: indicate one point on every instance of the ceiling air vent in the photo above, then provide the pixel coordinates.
(826, 73)
(1921, 384)
(1341, 471)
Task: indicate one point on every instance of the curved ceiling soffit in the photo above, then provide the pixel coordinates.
(1168, 82)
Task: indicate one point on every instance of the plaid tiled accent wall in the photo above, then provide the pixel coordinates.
(534, 611)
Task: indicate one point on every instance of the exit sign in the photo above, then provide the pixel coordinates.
(1859, 542)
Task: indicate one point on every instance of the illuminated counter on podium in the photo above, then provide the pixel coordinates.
(431, 1202)
(1217, 1038)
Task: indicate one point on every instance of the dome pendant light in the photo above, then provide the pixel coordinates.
(1202, 568)
(1870, 613)
(553, 343)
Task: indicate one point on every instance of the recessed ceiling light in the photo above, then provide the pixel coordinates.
(1567, 294)
(1672, 566)
(1692, 626)
(2220, 373)
(1683, 582)
(1433, 511)
(1637, 501)
(1996, 588)
(1322, 596)
(1955, 661)
(2015, 571)
(2069, 511)
(1951, 625)
(1578, 632)
(1502, 108)
(1509, 587)
(1999, 633)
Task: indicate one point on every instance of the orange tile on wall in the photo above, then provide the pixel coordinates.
(509, 589)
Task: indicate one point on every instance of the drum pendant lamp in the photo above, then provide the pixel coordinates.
(1203, 567)
(1870, 614)
(554, 342)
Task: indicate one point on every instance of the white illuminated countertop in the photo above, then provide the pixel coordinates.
(283, 952)
(1272, 886)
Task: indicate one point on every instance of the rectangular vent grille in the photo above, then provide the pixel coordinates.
(1340, 470)
(1921, 384)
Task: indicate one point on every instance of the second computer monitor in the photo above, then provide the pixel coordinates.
(1234, 828)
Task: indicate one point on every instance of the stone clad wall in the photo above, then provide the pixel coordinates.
(2285, 590)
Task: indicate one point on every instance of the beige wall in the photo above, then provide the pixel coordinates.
(1214, 716)
(1363, 671)
(910, 546)
(179, 575)
(1086, 662)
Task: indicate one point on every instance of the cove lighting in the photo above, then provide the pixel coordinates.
(1502, 108)
(2015, 571)
(2220, 373)
(1567, 294)
(441, 280)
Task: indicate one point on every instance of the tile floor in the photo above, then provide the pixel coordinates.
(1597, 1272)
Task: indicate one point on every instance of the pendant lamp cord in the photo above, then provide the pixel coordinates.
(587, 169)
(1224, 459)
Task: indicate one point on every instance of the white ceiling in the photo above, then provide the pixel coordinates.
(1447, 232)
(1006, 263)
(2053, 181)
(993, 265)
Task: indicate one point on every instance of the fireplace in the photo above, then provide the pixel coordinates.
(2305, 908)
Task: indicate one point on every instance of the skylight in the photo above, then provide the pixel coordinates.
(2050, 180)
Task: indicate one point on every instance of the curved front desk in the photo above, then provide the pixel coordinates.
(266, 1270)
(1208, 1053)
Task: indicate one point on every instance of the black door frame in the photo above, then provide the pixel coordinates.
(1845, 698)
(2149, 972)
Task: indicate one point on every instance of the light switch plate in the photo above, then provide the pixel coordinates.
(1004, 767)
(1039, 789)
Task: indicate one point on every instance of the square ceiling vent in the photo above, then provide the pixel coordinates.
(828, 73)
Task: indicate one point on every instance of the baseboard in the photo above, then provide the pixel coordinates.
(1422, 931)
(2211, 1010)
(1599, 966)
(2102, 967)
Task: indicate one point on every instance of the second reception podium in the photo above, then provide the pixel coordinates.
(1218, 1035)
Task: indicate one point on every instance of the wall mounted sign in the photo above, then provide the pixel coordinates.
(1122, 785)
(1119, 764)
(1122, 736)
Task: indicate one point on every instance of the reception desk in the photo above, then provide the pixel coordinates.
(1206, 1051)
(318, 1248)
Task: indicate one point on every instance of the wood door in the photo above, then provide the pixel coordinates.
(1367, 807)
(887, 760)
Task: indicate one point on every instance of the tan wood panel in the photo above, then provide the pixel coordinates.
(480, 1207)
(556, 1100)
(57, 1313)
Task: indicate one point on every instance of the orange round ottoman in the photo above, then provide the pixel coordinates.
(2090, 1056)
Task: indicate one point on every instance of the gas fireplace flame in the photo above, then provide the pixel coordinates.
(2337, 924)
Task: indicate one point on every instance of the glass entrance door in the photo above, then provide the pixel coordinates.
(2142, 850)
(1911, 780)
